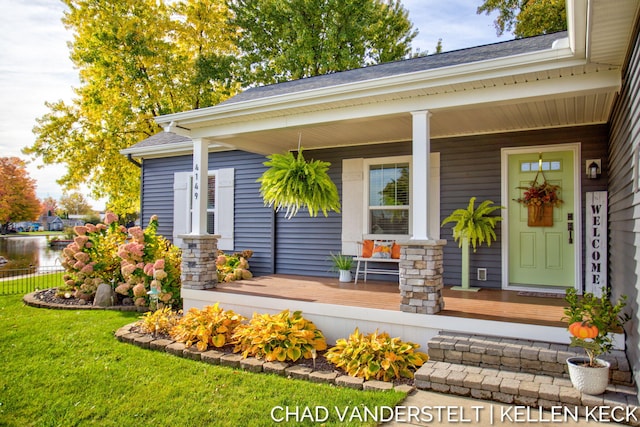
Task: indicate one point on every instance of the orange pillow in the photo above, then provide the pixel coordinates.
(382, 250)
(367, 248)
(395, 251)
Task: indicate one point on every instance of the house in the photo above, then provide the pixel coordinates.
(473, 122)
(52, 223)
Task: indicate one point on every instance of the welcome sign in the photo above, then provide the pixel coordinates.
(596, 238)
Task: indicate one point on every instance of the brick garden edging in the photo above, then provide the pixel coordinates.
(251, 364)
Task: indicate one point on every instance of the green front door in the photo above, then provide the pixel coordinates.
(542, 256)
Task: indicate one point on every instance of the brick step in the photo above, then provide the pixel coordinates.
(513, 355)
(519, 388)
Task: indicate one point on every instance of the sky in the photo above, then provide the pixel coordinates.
(35, 67)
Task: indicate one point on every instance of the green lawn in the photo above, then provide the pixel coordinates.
(65, 368)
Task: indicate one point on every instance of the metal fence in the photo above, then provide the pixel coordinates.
(24, 280)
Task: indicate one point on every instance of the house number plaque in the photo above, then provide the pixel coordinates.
(196, 177)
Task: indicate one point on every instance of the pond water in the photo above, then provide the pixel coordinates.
(23, 251)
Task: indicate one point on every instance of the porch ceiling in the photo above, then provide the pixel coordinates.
(582, 109)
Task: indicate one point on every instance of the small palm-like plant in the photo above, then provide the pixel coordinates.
(473, 227)
(474, 224)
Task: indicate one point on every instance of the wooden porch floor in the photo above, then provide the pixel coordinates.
(487, 304)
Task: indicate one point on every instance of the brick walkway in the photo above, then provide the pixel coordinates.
(519, 372)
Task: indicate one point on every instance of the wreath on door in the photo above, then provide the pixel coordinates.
(292, 182)
(540, 198)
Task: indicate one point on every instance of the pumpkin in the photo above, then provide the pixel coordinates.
(583, 330)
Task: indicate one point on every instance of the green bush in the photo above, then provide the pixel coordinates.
(280, 337)
(376, 356)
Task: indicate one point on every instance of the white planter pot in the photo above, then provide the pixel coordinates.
(345, 275)
(589, 380)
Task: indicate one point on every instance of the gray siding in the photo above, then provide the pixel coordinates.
(624, 204)
(303, 244)
(470, 166)
(254, 221)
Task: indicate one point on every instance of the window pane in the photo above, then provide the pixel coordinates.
(389, 185)
(211, 187)
(389, 221)
(210, 223)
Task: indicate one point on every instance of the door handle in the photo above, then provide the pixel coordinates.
(570, 229)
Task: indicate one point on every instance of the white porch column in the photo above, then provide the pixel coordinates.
(199, 189)
(420, 167)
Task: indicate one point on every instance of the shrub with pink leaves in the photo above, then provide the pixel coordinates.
(132, 260)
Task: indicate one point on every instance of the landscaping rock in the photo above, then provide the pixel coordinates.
(231, 360)
(177, 348)
(160, 344)
(277, 368)
(322, 377)
(104, 296)
(212, 357)
(377, 385)
(251, 364)
(143, 341)
(298, 372)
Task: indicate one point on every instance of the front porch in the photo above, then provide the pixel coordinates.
(338, 308)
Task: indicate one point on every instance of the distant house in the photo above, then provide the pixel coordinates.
(483, 122)
(52, 223)
(72, 222)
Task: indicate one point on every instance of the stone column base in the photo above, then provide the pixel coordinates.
(421, 280)
(199, 253)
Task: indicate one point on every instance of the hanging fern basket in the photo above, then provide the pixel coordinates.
(292, 182)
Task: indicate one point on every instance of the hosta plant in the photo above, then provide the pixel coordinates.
(211, 326)
(279, 337)
(376, 356)
(161, 321)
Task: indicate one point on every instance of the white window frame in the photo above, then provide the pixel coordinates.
(367, 163)
(216, 226)
(224, 213)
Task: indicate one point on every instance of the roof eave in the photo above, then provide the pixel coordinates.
(174, 149)
(560, 55)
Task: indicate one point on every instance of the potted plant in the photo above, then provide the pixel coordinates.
(343, 264)
(473, 227)
(591, 322)
(292, 182)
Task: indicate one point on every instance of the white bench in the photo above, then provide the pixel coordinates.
(364, 261)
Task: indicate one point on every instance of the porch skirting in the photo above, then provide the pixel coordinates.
(339, 321)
